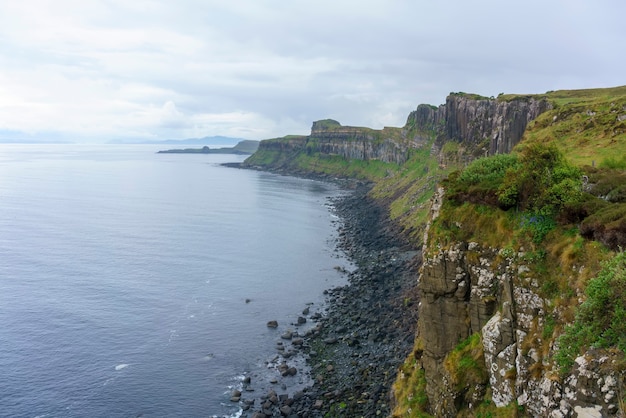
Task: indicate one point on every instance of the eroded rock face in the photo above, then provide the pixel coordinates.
(284, 145)
(495, 125)
(356, 143)
(460, 290)
(467, 289)
(465, 119)
(502, 122)
(353, 143)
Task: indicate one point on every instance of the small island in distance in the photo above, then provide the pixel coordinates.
(245, 147)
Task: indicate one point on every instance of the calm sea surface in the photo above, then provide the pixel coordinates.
(124, 276)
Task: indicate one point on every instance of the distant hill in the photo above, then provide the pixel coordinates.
(207, 140)
(245, 147)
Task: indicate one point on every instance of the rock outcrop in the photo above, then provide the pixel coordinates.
(468, 289)
(331, 138)
(498, 125)
(490, 125)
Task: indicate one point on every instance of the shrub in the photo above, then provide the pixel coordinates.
(488, 171)
(479, 181)
(601, 319)
(608, 184)
(539, 180)
(538, 225)
(543, 181)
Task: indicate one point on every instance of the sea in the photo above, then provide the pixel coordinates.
(138, 284)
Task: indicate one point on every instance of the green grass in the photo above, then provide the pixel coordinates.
(408, 191)
(472, 96)
(584, 124)
(328, 124)
(488, 409)
(466, 365)
(614, 163)
(337, 166)
(601, 319)
(410, 391)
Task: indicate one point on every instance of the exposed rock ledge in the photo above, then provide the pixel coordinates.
(467, 289)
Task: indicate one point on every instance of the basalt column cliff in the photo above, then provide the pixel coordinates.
(491, 125)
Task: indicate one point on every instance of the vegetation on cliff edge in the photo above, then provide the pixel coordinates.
(601, 319)
(537, 207)
(588, 126)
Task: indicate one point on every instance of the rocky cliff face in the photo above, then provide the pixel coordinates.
(387, 145)
(495, 124)
(287, 145)
(329, 137)
(467, 289)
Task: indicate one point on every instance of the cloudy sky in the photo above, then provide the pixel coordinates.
(96, 70)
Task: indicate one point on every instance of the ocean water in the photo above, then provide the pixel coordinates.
(140, 284)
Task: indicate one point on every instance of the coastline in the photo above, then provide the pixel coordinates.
(353, 351)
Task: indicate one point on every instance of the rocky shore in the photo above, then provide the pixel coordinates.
(354, 348)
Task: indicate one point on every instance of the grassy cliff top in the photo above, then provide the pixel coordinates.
(588, 126)
(561, 97)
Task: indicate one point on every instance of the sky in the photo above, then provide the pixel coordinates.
(101, 70)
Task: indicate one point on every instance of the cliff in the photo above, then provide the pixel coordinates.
(329, 140)
(492, 315)
(496, 126)
(521, 312)
(484, 126)
(353, 143)
(520, 303)
(467, 290)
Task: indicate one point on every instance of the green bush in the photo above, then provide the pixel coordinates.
(543, 181)
(488, 171)
(601, 319)
(479, 181)
(538, 225)
(538, 180)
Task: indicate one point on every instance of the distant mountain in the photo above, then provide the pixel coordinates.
(207, 140)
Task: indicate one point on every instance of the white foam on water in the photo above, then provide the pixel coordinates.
(234, 415)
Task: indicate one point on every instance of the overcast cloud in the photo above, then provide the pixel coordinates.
(96, 70)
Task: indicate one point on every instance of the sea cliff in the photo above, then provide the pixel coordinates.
(512, 246)
(488, 126)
